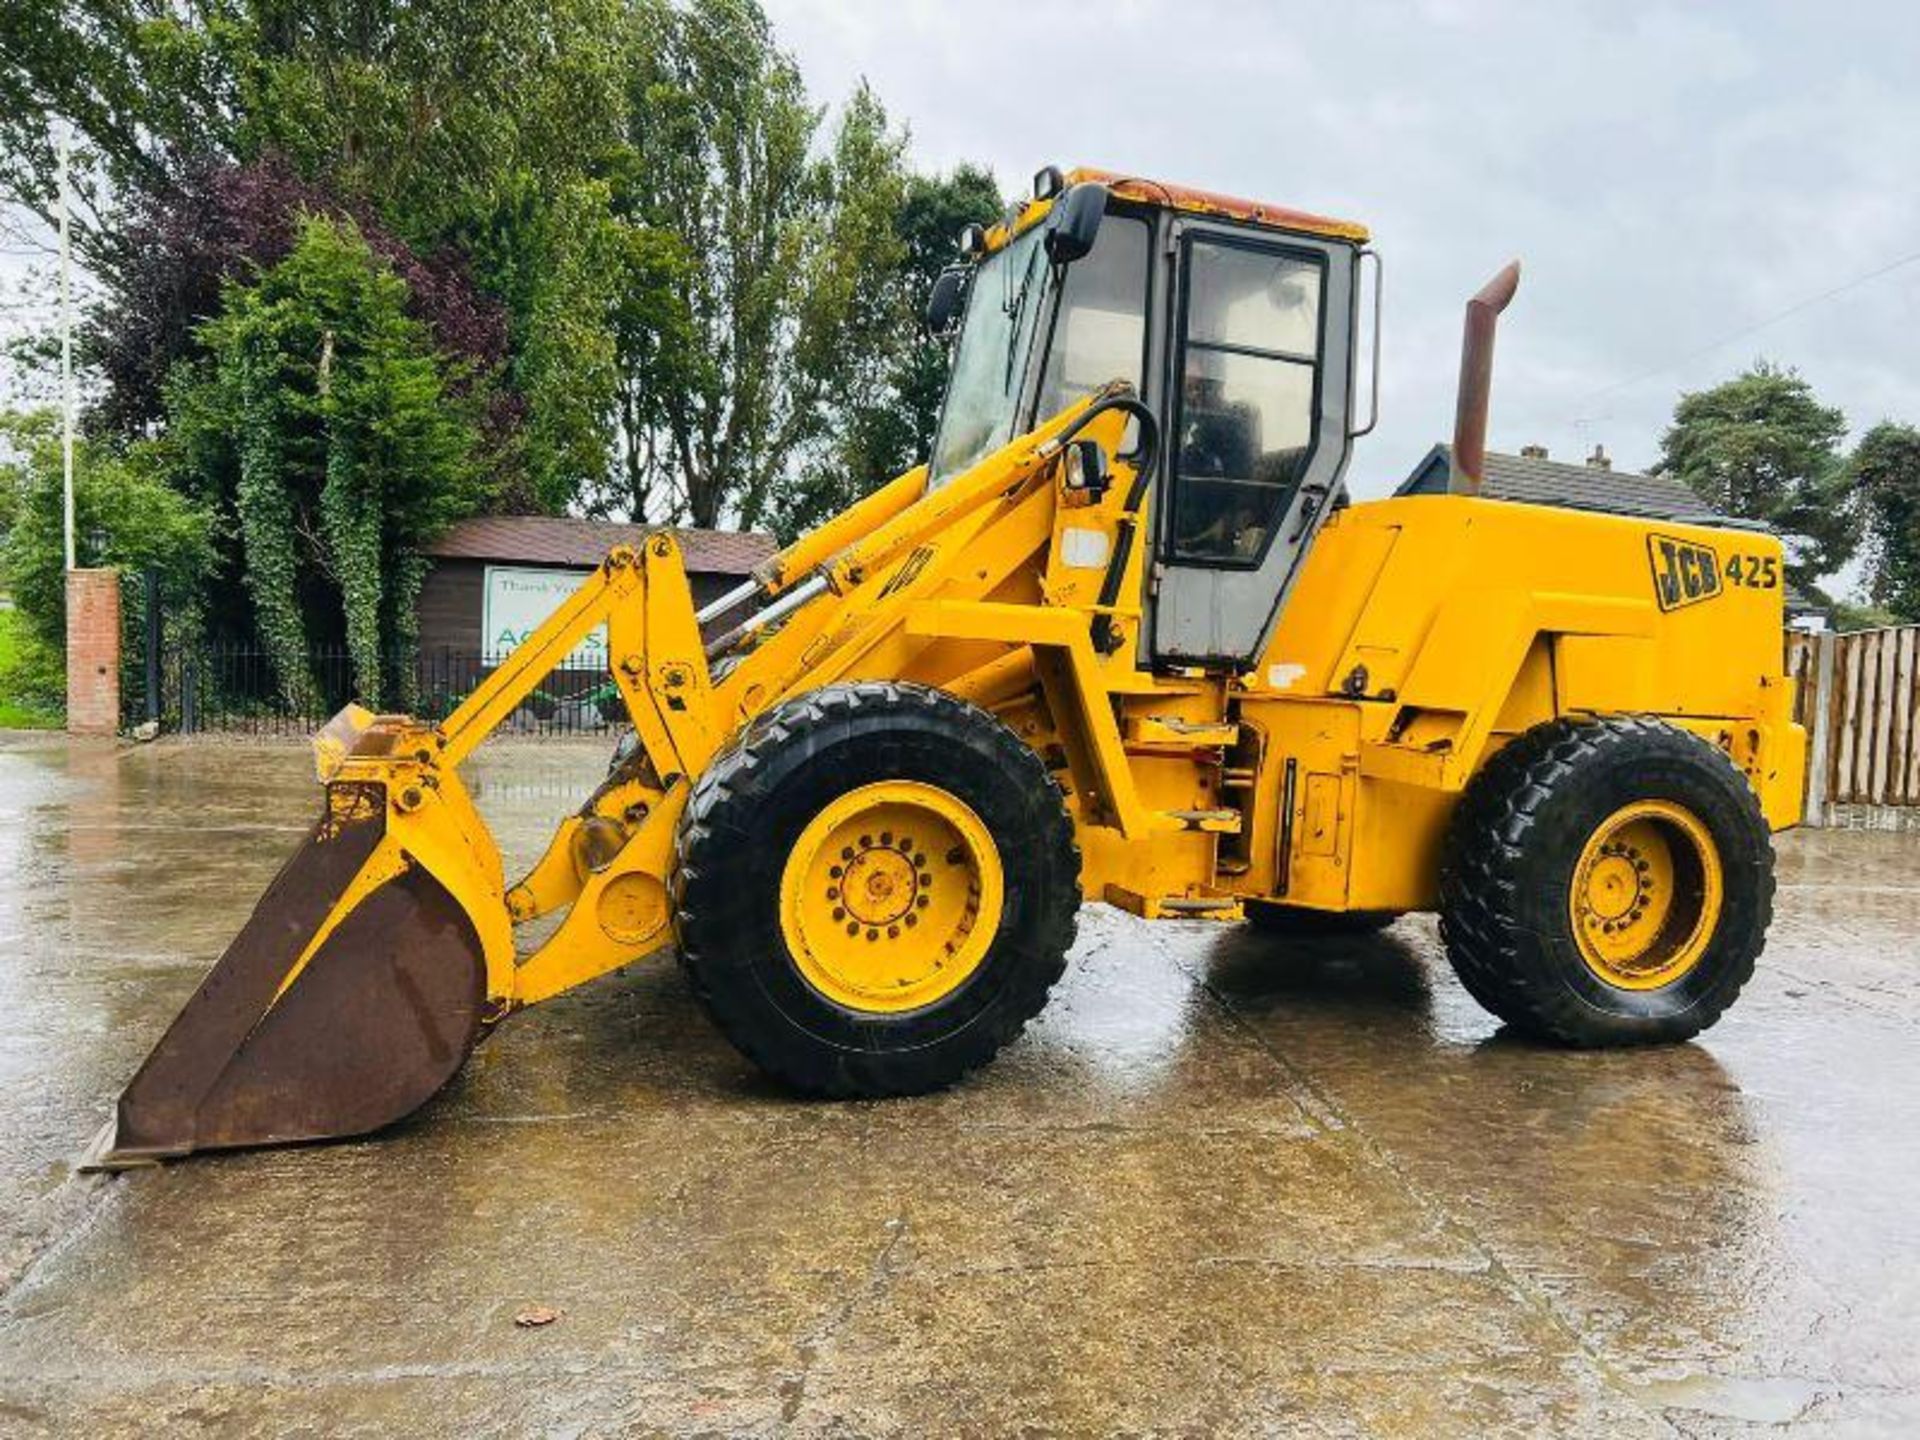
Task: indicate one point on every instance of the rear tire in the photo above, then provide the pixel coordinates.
(759, 830)
(1273, 918)
(1550, 910)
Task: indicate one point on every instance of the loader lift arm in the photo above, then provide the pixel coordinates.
(420, 855)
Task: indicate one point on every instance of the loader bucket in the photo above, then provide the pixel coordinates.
(379, 1018)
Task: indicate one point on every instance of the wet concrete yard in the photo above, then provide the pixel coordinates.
(1227, 1183)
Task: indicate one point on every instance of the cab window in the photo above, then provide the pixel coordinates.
(1101, 332)
(1244, 426)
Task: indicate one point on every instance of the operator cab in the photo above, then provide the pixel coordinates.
(1232, 320)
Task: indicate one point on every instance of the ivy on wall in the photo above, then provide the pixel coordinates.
(351, 448)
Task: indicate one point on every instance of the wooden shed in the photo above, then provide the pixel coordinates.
(495, 576)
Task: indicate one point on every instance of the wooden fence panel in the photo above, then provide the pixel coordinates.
(1901, 733)
(1910, 791)
(1803, 658)
(1873, 714)
(1885, 704)
(1846, 727)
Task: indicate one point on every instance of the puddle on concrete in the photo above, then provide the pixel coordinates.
(1757, 1400)
(1222, 1183)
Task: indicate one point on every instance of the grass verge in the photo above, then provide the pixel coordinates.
(26, 674)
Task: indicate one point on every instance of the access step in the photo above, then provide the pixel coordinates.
(1171, 732)
(1174, 907)
(1213, 822)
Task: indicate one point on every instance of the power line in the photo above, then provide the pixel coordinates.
(1807, 304)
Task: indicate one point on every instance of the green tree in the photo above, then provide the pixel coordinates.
(937, 208)
(349, 453)
(886, 428)
(416, 106)
(585, 289)
(1762, 447)
(710, 294)
(143, 83)
(481, 129)
(782, 303)
(424, 108)
(126, 518)
(1885, 476)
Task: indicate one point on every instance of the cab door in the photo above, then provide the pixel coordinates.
(1258, 391)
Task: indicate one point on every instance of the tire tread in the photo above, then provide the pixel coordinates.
(721, 806)
(1489, 852)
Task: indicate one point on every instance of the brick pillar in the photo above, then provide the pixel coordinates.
(93, 652)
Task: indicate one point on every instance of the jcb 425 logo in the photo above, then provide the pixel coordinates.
(1683, 572)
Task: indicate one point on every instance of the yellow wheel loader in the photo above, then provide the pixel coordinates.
(1121, 639)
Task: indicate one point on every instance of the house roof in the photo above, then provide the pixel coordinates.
(564, 540)
(1534, 480)
(1575, 487)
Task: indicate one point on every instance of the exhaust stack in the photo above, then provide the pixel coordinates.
(1476, 381)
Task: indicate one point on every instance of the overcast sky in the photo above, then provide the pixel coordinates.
(1668, 174)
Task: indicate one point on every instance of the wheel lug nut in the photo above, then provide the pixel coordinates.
(873, 934)
(839, 914)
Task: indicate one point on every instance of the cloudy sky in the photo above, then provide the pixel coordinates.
(1675, 177)
(1670, 175)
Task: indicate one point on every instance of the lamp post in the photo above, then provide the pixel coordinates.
(66, 350)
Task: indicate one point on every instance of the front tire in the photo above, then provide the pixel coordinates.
(1607, 882)
(876, 887)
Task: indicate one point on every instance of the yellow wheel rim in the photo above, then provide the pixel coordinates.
(1647, 892)
(891, 897)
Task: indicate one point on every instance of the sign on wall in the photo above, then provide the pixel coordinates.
(516, 599)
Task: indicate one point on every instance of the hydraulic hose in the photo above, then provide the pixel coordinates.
(1142, 457)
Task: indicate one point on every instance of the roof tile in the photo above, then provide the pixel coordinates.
(566, 540)
(1533, 481)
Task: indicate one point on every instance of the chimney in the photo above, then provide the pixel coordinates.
(1599, 459)
(1533, 452)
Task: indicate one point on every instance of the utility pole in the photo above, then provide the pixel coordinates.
(66, 347)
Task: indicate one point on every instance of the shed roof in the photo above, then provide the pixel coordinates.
(565, 540)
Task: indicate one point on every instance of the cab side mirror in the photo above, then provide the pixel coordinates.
(943, 301)
(1075, 222)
